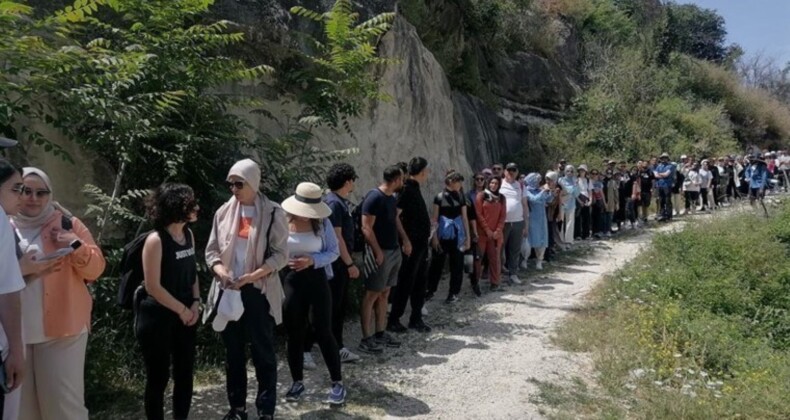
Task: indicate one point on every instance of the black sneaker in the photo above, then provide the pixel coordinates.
(235, 414)
(476, 290)
(495, 288)
(384, 339)
(266, 417)
(370, 346)
(396, 327)
(420, 326)
(451, 299)
(295, 393)
(428, 296)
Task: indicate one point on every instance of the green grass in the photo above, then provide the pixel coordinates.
(696, 327)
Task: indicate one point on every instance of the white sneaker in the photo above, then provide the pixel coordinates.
(515, 280)
(347, 357)
(424, 311)
(539, 265)
(309, 363)
(523, 265)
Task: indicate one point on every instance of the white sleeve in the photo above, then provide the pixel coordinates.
(10, 276)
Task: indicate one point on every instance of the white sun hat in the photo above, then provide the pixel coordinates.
(307, 202)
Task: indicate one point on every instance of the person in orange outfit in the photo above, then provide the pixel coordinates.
(56, 304)
(490, 205)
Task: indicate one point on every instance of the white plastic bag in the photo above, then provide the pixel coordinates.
(230, 308)
(526, 249)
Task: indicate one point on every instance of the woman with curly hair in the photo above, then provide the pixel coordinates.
(168, 307)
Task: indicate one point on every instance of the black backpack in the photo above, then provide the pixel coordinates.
(356, 216)
(131, 270)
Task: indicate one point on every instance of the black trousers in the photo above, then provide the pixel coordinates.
(307, 293)
(598, 211)
(412, 280)
(256, 327)
(164, 341)
(449, 249)
(583, 222)
(665, 202)
(703, 192)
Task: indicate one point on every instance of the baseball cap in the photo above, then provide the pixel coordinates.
(665, 155)
(6, 142)
(511, 165)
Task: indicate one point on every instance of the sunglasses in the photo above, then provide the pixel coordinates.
(480, 179)
(496, 168)
(512, 170)
(39, 193)
(239, 185)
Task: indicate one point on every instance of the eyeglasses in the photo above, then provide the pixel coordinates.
(18, 188)
(239, 185)
(480, 179)
(39, 193)
(497, 168)
(512, 170)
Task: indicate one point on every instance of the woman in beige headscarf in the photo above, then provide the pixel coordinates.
(246, 249)
(56, 304)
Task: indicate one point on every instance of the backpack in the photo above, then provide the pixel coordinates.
(131, 270)
(356, 216)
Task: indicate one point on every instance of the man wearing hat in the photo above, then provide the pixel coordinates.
(516, 215)
(664, 173)
(757, 177)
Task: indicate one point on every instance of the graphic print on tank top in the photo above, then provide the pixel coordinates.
(246, 223)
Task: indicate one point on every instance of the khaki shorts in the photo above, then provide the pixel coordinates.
(387, 273)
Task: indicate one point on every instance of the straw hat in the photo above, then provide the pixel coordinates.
(307, 202)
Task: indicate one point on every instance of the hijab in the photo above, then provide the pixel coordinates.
(25, 222)
(533, 181)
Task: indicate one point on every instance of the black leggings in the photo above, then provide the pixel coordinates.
(305, 290)
(338, 287)
(449, 248)
(163, 337)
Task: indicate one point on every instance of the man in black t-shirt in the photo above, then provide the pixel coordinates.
(340, 180)
(381, 227)
(413, 214)
(646, 180)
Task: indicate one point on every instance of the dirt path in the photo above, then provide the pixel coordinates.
(478, 361)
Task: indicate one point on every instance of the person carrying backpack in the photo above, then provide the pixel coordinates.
(167, 307)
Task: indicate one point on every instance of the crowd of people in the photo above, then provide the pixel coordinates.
(291, 263)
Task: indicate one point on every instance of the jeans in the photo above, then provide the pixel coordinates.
(703, 192)
(449, 248)
(412, 280)
(307, 292)
(162, 338)
(665, 203)
(630, 210)
(512, 236)
(255, 326)
(607, 221)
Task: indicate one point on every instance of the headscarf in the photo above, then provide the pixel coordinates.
(247, 170)
(533, 180)
(24, 222)
(553, 176)
(572, 170)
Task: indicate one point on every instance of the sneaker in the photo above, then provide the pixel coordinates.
(337, 394)
(451, 299)
(396, 327)
(266, 417)
(384, 339)
(476, 290)
(428, 296)
(309, 363)
(539, 265)
(235, 414)
(495, 288)
(347, 357)
(370, 346)
(420, 326)
(523, 265)
(424, 311)
(515, 280)
(295, 393)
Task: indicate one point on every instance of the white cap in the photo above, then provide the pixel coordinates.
(230, 308)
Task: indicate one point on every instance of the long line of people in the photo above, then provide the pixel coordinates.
(292, 264)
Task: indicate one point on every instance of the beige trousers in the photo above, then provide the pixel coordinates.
(54, 386)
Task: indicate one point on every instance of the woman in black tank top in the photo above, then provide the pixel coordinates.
(166, 318)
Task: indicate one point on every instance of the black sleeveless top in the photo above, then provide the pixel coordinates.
(179, 267)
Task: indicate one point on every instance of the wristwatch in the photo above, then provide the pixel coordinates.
(350, 265)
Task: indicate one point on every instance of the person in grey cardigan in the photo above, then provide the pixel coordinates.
(246, 249)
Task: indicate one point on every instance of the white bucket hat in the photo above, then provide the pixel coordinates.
(307, 202)
(229, 308)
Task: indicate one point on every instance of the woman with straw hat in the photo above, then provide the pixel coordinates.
(312, 247)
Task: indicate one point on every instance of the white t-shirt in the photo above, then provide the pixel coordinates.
(302, 244)
(33, 295)
(784, 162)
(246, 222)
(512, 193)
(585, 189)
(10, 276)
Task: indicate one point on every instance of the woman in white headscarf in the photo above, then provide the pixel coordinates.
(246, 250)
(56, 306)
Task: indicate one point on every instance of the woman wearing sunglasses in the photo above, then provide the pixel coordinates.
(247, 248)
(56, 304)
(11, 283)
